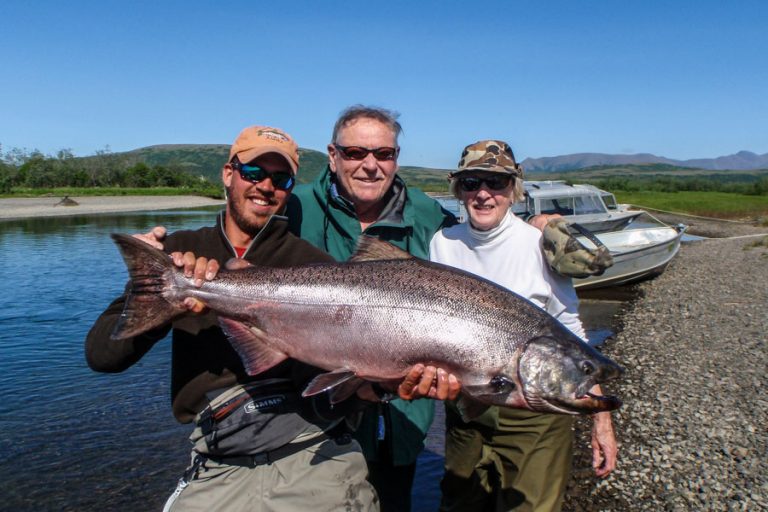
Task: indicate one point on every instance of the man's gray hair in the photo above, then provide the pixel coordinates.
(355, 112)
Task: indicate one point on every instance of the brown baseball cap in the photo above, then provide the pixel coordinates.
(490, 156)
(255, 141)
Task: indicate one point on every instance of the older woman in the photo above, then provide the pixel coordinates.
(509, 459)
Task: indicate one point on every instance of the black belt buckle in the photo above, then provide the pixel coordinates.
(260, 459)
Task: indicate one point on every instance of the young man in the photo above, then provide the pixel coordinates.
(287, 453)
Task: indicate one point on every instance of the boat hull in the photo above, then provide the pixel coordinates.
(638, 254)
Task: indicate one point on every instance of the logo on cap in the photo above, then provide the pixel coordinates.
(273, 133)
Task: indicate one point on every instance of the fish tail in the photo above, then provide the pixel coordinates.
(150, 271)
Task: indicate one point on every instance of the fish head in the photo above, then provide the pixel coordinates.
(556, 374)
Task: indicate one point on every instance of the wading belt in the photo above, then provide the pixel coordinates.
(339, 434)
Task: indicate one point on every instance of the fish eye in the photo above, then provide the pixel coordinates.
(587, 367)
(502, 384)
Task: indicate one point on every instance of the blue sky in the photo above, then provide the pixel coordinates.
(685, 79)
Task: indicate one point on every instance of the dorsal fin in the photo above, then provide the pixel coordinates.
(370, 248)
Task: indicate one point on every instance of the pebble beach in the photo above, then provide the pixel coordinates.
(693, 431)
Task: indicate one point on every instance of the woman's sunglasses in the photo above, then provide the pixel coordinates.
(497, 182)
(255, 174)
(359, 152)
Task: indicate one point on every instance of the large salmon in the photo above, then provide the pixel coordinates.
(374, 317)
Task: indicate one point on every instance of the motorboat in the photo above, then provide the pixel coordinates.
(586, 205)
(638, 254)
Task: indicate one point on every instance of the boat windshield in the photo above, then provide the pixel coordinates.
(561, 205)
(580, 205)
(588, 204)
(610, 201)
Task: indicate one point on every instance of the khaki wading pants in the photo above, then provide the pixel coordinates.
(522, 465)
(324, 477)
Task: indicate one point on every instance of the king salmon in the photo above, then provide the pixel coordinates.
(373, 318)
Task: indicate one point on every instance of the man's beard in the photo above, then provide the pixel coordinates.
(246, 226)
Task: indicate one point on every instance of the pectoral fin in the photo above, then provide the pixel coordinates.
(250, 343)
(342, 383)
(345, 390)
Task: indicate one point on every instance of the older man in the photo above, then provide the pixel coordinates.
(360, 192)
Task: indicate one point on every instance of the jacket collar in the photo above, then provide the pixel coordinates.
(394, 213)
(276, 226)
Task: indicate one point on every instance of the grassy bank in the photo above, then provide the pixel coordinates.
(215, 193)
(706, 204)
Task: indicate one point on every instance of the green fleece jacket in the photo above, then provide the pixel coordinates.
(319, 215)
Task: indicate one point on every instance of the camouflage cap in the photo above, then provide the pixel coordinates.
(489, 155)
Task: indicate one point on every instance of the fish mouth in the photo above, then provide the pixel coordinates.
(559, 375)
(598, 403)
(586, 403)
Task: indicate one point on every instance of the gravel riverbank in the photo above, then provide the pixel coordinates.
(693, 430)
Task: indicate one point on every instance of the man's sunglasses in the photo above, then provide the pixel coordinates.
(472, 183)
(253, 173)
(359, 152)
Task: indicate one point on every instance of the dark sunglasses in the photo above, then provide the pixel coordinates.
(472, 183)
(253, 173)
(359, 152)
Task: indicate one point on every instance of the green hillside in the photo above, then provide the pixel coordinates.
(198, 159)
(644, 170)
(183, 165)
(206, 160)
(425, 178)
(664, 178)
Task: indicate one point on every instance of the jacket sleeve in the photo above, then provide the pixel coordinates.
(103, 354)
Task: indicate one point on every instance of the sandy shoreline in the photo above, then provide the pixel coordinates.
(20, 208)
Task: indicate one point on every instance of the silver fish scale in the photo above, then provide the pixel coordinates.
(380, 317)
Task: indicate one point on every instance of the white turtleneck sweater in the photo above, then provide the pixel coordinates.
(510, 256)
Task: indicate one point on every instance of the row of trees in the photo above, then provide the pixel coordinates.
(732, 183)
(21, 169)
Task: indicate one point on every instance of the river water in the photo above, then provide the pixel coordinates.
(73, 439)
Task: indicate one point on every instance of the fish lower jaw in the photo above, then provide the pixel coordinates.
(608, 402)
(585, 404)
(539, 404)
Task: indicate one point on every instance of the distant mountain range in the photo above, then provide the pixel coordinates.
(741, 161)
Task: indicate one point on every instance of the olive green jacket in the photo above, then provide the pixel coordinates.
(325, 219)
